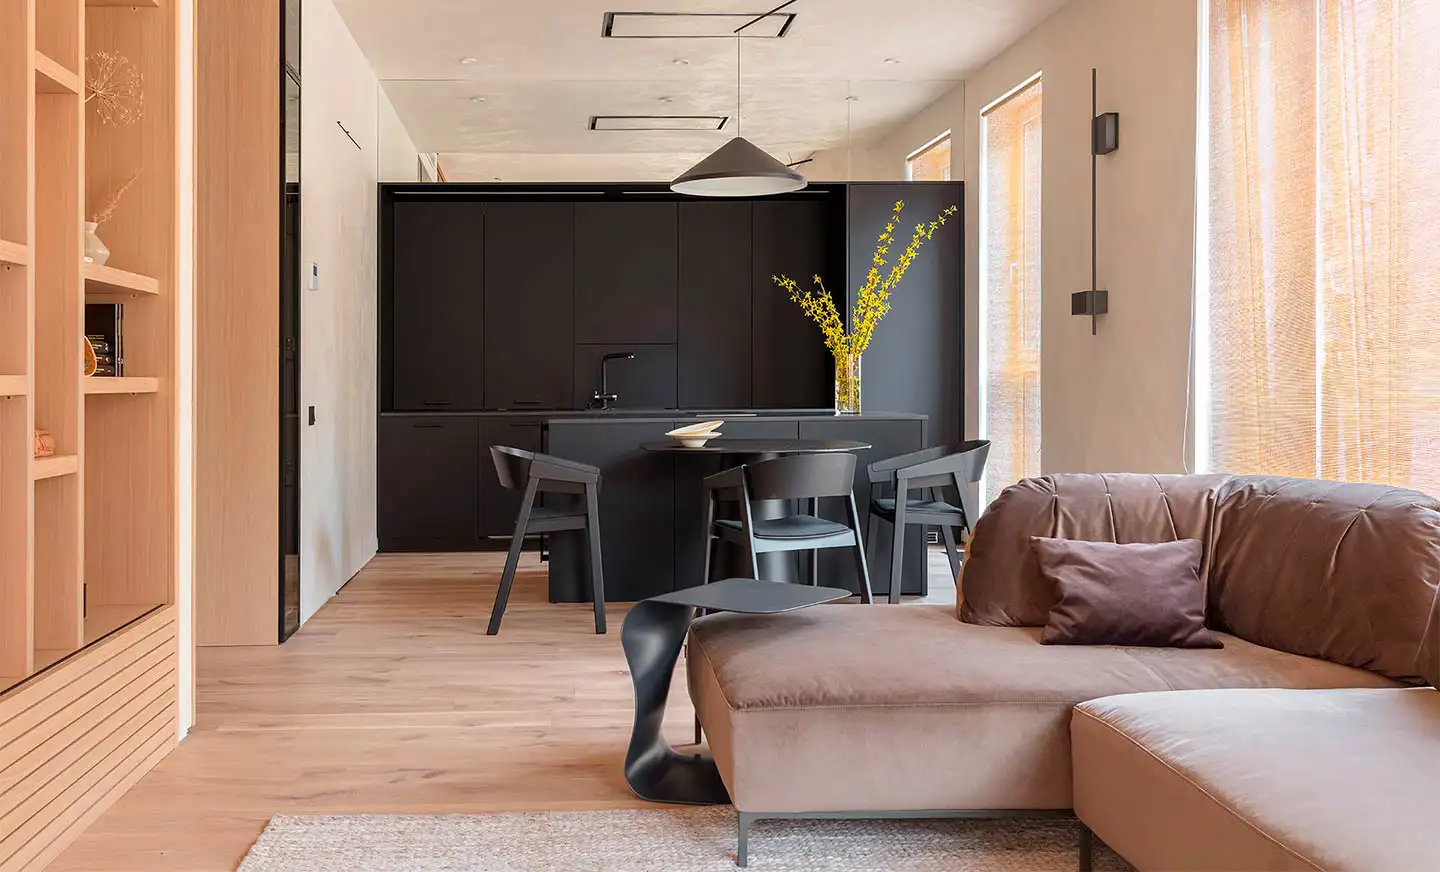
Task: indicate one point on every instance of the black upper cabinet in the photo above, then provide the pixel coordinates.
(715, 362)
(792, 367)
(626, 259)
(438, 306)
(529, 305)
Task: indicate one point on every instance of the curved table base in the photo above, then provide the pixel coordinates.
(652, 636)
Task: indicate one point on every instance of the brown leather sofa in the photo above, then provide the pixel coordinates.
(1304, 743)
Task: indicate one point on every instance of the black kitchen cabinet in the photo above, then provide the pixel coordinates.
(637, 511)
(529, 305)
(437, 306)
(428, 483)
(499, 507)
(626, 258)
(792, 367)
(715, 359)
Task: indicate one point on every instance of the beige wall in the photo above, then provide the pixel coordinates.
(399, 160)
(1116, 401)
(338, 321)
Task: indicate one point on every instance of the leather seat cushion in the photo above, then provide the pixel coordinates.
(791, 527)
(919, 507)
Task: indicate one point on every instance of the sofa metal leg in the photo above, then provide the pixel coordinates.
(1087, 849)
(742, 850)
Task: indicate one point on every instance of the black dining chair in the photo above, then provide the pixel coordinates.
(930, 472)
(803, 477)
(542, 474)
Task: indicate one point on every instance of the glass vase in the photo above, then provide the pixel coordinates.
(847, 384)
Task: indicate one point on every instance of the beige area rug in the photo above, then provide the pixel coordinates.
(662, 840)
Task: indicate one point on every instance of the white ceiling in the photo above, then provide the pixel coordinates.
(542, 70)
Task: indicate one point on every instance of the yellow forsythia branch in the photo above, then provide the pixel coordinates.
(872, 303)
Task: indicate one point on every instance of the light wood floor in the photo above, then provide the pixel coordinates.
(393, 699)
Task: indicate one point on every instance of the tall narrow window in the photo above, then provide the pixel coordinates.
(931, 163)
(1010, 287)
(1319, 311)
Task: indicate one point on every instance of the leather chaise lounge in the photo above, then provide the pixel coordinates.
(1307, 742)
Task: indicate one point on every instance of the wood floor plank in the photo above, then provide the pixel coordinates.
(392, 699)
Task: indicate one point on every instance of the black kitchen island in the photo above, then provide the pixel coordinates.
(652, 505)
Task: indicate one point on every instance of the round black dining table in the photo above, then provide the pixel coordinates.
(777, 565)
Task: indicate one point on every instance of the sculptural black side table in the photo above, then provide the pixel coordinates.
(653, 635)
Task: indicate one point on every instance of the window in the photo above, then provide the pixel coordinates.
(1318, 298)
(932, 162)
(1010, 287)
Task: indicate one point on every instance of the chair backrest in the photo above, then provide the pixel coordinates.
(954, 466)
(512, 466)
(801, 476)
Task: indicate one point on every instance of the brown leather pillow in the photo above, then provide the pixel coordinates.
(1144, 595)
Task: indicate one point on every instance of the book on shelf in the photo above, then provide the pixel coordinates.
(105, 328)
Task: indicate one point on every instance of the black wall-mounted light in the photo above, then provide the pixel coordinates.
(1104, 139)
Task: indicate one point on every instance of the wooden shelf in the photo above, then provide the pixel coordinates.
(101, 621)
(138, 4)
(102, 385)
(14, 386)
(56, 466)
(109, 280)
(14, 252)
(51, 77)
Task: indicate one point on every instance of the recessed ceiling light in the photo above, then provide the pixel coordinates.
(469, 62)
(892, 61)
(667, 99)
(852, 99)
(681, 62)
(477, 99)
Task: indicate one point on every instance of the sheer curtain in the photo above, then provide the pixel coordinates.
(1323, 304)
(1010, 264)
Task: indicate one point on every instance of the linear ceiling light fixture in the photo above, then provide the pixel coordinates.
(695, 25)
(658, 122)
(739, 168)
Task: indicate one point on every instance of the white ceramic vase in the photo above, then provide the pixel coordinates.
(95, 250)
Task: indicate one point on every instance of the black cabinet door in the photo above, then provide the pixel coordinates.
(529, 305)
(437, 306)
(715, 302)
(626, 260)
(499, 507)
(914, 360)
(428, 483)
(637, 512)
(792, 368)
(887, 439)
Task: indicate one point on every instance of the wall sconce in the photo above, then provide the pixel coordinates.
(1104, 139)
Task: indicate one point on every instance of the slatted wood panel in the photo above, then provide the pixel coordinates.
(74, 738)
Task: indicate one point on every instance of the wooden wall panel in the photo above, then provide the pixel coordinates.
(237, 305)
(74, 738)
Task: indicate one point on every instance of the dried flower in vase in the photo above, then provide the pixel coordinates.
(115, 86)
(107, 211)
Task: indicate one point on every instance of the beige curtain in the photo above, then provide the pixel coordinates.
(1011, 143)
(1324, 289)
(932, 164)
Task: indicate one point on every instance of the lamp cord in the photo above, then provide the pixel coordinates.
(739, 121)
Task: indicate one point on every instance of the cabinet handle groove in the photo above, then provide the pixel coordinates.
(437, 402)
(428, 426)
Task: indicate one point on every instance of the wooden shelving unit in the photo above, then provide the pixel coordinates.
(88, 536)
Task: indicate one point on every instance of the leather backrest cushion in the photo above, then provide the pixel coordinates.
(1343, 572)
(1002, 582)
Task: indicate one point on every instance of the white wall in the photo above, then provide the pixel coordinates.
(338, 321)
(398, 157)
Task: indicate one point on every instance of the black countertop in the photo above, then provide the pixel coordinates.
(587, 416)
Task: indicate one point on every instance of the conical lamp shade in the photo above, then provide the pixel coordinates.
(738, 168)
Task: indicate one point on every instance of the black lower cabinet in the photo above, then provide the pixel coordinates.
(500, 507)
(428, 483)
(637, 511)
(888, 439)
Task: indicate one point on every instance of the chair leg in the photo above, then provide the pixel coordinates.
(862, 563)
(872, 536)
(814, 568)
(897, 548)
(597, 563)
(512, 560)
(947, 535)
(708, 538)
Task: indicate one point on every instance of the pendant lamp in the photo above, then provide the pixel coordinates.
(739, 168)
